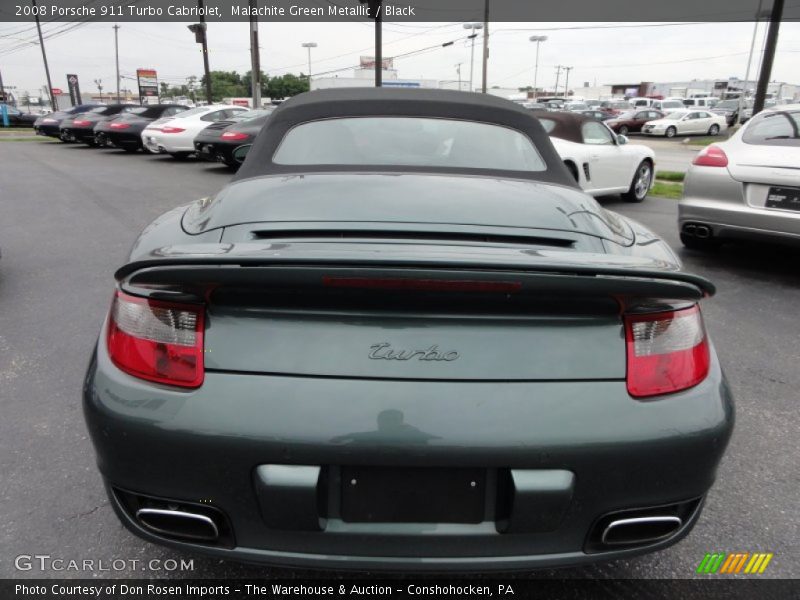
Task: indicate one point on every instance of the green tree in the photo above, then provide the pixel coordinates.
(247, 83)
(225, 84)
(164, 88)
(287, 85)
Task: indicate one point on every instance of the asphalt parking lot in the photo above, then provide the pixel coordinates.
(68, 215)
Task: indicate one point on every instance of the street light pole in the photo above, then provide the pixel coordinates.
(472, 27)
(538, 39)
(99, 84)
(309, 46)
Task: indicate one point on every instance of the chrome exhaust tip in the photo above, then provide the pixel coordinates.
(178, 524)
(640, 530)
(702, 232)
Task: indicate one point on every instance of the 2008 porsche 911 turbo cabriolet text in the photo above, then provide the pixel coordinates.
(403, 338)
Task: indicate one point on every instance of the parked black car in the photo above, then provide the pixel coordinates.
(220, 139)
(730, 110)
(50, 124)
(125, 131)
(80, 128)
(17, 118)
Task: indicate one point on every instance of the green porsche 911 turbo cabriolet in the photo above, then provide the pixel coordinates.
(403, 338)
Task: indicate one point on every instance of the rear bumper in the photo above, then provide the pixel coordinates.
(718, 201)
(207, 445)
(49, 130)
(215, 151)
(77, 133)
(124, 140)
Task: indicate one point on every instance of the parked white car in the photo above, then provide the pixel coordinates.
(602, 162)
(175, 135)
(686, 122)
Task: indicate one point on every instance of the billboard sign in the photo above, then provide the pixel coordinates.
(368, 62)
(148, 84)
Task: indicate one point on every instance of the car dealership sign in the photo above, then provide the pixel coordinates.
(148, 84)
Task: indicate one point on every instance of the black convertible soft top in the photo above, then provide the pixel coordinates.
(361, 102)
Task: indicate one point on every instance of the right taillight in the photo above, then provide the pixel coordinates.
(119, 125)
(667, 352)
(155, 340)
(711, 156)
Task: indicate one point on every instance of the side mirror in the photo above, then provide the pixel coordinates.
(622, 140)
(240, 153)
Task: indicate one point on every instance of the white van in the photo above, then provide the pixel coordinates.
(667, 106)
(641, 102)
(709, 102)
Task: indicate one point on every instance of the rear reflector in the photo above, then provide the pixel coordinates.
(423, 285)
(233, 136)
(711, 156)
(158, 341)
(119, 125)
(667, 352)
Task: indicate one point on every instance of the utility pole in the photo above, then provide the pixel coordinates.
(458, 70)
(53, 103)
(379, 46)
(116, 57)
(538, 39)
(566, 83)
(558, 74)
(2, 89)
(255, 56)
(485, 45)
(473, 27)
(769, 55)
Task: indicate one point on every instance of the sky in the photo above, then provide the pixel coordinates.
(599, 53)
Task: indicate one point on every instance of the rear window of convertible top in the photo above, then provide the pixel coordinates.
(408, 141)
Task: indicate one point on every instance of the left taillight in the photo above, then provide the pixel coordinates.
(81, 122)
(234, 136)
(156, 340)
(711, 156)
(667, 352)
(119, 126)
(172, 129)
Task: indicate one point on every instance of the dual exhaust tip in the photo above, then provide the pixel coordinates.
(698, 230)
(181, 524)
(640, 530)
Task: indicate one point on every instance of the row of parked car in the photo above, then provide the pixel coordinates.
(600, 158)
(702, 115)
(210, 132)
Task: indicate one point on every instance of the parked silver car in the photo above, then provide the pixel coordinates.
(748, 186)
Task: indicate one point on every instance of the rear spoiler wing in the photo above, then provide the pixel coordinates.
(189, 268)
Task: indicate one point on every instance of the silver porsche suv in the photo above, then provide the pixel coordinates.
(747, 187)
